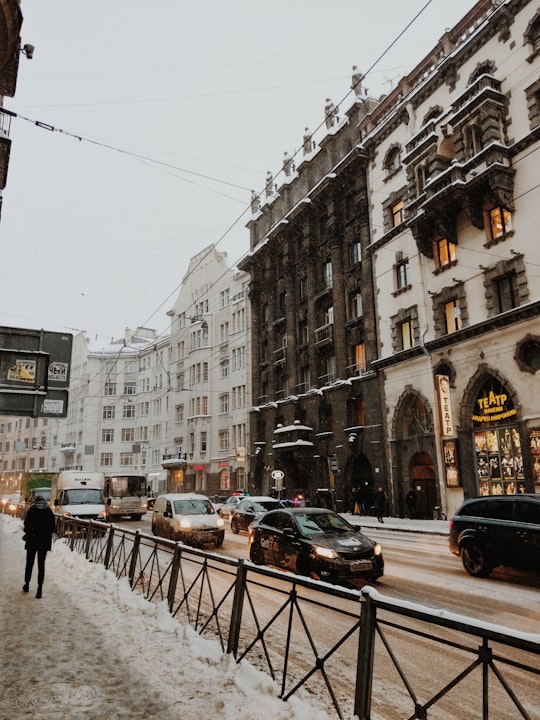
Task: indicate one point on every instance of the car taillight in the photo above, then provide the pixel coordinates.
(450, 523)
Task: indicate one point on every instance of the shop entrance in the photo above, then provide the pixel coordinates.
(422, 476)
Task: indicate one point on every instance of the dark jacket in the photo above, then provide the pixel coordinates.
(39, 526)
(380, 501)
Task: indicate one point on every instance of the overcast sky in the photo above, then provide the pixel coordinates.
(165, 116)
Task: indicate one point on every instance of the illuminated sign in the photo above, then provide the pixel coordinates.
(445, 408)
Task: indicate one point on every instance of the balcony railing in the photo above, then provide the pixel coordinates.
(324, 334)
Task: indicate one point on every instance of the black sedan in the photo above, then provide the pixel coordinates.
(315, 542)
(249, 509)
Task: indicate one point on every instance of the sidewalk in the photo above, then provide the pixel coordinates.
(92, 649)
(432, 527)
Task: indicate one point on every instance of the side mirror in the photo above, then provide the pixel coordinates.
(167, 514)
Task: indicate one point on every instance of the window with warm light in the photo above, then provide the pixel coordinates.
(452, 313)
(500, 222)
(444, 253)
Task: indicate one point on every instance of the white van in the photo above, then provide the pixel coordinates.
(188, 517)
(78, 493)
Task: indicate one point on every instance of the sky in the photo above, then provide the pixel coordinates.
(142, 129)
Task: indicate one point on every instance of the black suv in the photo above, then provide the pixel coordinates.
(497, 530)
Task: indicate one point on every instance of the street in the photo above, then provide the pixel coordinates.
(420, 568)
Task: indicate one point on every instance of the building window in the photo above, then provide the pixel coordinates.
(128, 411)
(110, 388)
(203, 440)
(224, 403)
(107, 436)
(406, 334)
(397, 213)
(126, 458)
(130, 366)
(355, 253)
(303, 288)
(452, 314)
(444, 253)
(500, 223)
(403, 275)
(224, 298)
(130, 388)
(106, 459)
(473, 140)
(224, 443)
(224, 367)
(355, 306)
(506, 296)
(360, 358)
(108, 412)
(128, 434)
(179, 413)
(327, 275)
(392, 161)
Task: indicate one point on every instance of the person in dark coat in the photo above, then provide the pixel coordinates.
(410, 501)
(380, 503)
(39, 526)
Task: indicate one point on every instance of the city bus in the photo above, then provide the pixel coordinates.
(125, 494)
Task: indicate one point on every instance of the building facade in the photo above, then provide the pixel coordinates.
(396, 329)
(210, 393)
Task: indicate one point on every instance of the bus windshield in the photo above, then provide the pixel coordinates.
(127, 486)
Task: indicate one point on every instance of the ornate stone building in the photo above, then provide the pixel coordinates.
(395, 291)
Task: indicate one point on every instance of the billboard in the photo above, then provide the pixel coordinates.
(35, 369)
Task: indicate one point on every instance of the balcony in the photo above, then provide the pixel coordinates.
(324, 335)
(67, 448)
(174, 461)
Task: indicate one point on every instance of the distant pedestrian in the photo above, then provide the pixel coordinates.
(410, 502)
(39, 526)
(380, 503)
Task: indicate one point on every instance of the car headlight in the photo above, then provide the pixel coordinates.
(220, 522)
(326, 553)
(101, 516)
(185, 523)
(377, 549)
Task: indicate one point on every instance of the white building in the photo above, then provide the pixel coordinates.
(210, 397)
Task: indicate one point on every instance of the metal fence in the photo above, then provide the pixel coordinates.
(347, 647)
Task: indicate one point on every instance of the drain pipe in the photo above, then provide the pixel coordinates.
(423, 343)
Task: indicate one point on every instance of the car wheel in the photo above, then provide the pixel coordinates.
(234, 527)
(154, 531)
(219, 541)
(474, 560)
(256, 554)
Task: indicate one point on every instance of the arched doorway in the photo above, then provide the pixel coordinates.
(422, 479)
(359, 483)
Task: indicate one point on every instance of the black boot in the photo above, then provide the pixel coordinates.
(38, 594)
(26, 587)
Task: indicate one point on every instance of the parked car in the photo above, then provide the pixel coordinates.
(315, 542)
(249, 509)
(497, 530)
(230, 503)
(188, 517)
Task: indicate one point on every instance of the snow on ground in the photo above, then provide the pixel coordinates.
(90, 648)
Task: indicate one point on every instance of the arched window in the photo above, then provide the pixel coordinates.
(392, 161)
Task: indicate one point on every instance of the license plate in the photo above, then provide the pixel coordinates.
(361, 565)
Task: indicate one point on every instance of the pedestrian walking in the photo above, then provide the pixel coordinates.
(380, 503)
(39, 526)
(410, 502)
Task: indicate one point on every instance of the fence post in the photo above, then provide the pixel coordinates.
(237, 609)
(364, 665)
(134, 556)
(89, 535)
(175, 569)
(108, 549)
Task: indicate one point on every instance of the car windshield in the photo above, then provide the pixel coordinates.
(321, 523)
(264, 505)
(83, 496)
(193, 507)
